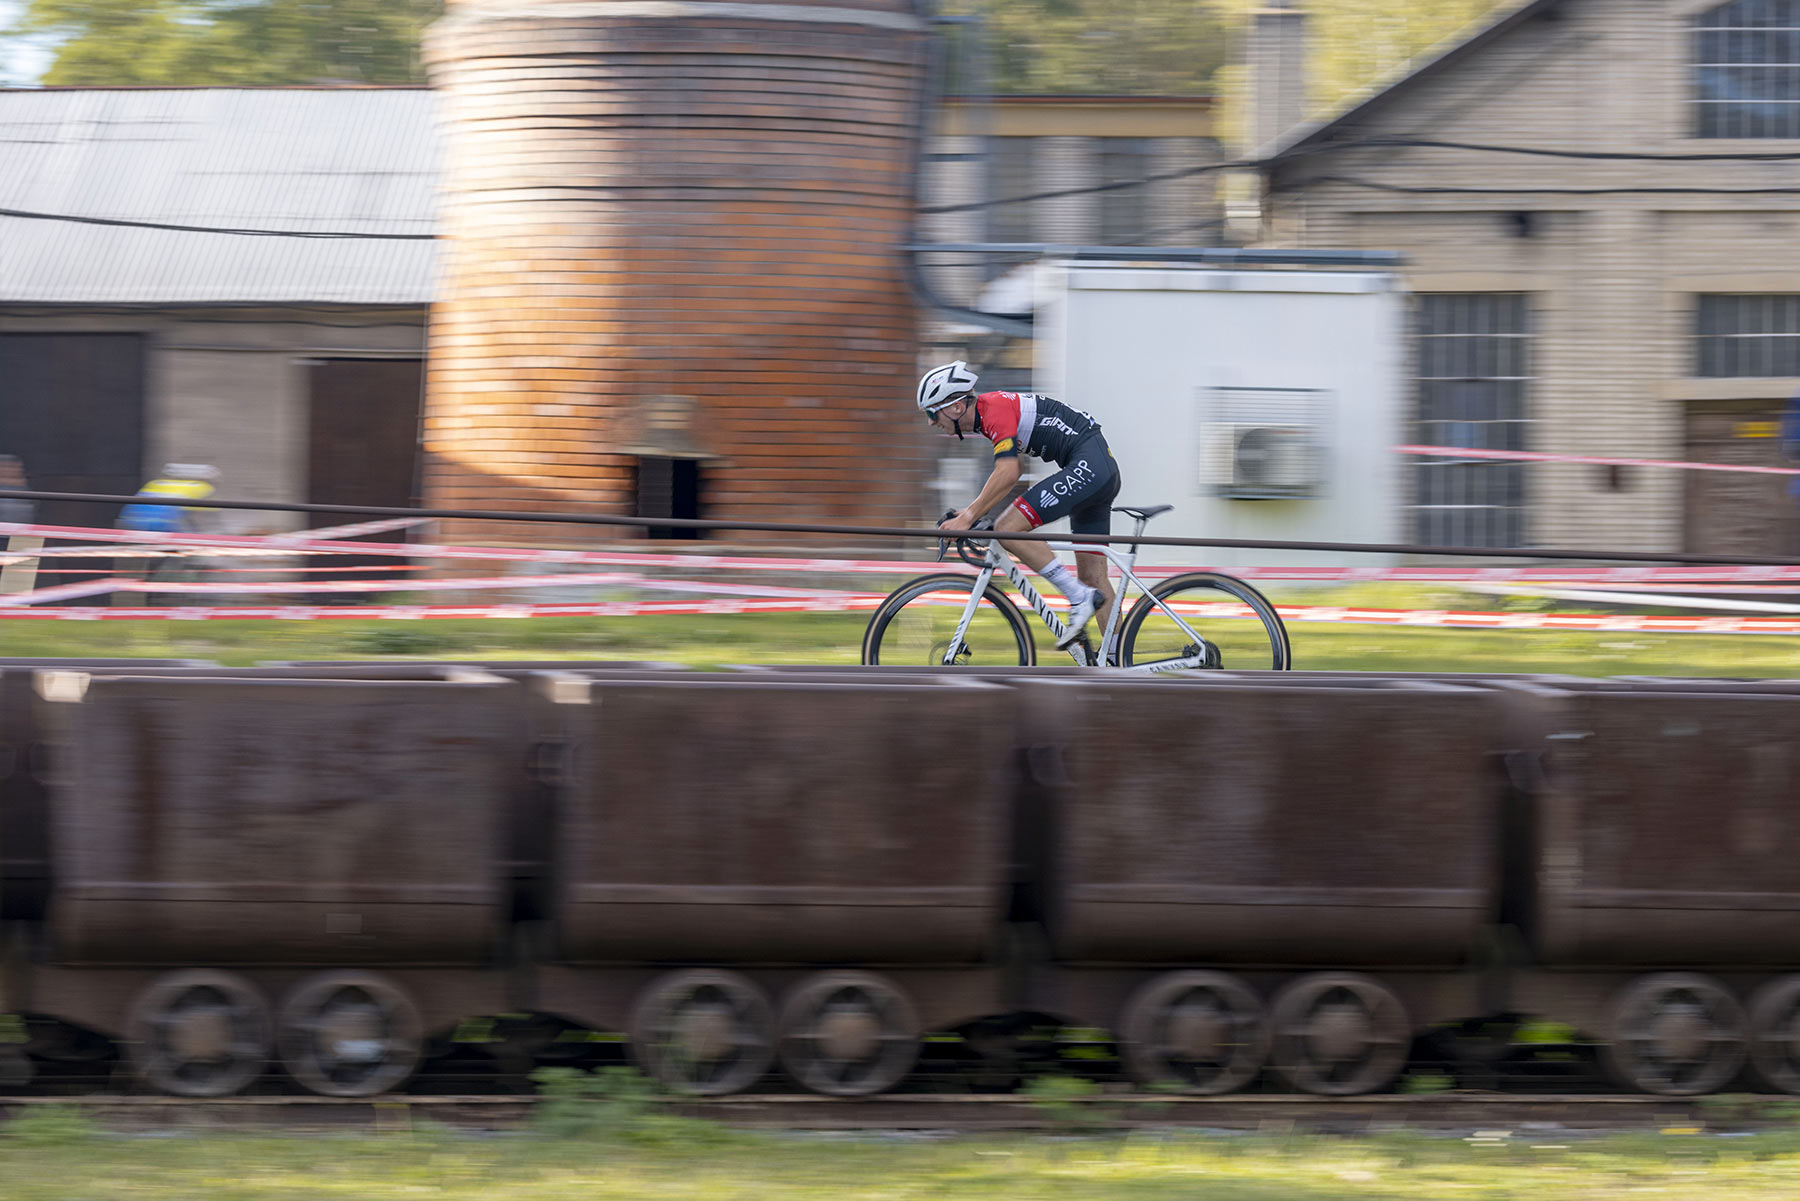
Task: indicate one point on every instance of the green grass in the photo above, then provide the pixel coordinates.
(835, 638)
(828, 638)
(1146, 1166)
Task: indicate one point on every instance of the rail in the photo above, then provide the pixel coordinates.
(930, 533)
(1497, 1115)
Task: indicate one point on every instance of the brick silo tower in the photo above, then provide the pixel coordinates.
(672, 273)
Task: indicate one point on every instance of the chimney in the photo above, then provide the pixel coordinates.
(1278, 73)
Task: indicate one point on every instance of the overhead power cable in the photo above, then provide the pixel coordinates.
(1648, 190)
(215, 229)
(1247, 164)
(1324, 148)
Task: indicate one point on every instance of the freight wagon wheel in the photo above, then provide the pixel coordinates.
(1775, 1033)
(199, 1033)
(703, 1031)
(1338, 1034)
(1204, 1032)
(16, 1070)
(349, 1034)
(1674, 1033)
(848, 1034)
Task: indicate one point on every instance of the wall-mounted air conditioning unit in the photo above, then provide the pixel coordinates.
(1262, 461)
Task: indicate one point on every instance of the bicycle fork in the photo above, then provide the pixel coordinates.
(1077, 650)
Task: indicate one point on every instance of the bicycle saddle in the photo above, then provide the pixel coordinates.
(1142, 514)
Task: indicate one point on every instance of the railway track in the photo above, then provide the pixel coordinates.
(1270, 1113)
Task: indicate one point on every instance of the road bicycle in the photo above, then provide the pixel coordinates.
(960, 620)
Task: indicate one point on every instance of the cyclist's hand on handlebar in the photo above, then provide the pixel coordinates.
(959, 520)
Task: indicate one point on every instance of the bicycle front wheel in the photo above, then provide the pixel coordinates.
(1233, 618)
(917, 625)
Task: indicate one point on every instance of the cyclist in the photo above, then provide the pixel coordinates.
(1025, 423)
(191, 480)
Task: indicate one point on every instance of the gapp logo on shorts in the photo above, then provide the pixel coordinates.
(1078, 475)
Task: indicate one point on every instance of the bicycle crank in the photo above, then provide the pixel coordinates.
(1082, 650)
(940, 653)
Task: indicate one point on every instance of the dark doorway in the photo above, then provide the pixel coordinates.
(362, 449)
(668, 487)
(72, 410)
(1738, 513)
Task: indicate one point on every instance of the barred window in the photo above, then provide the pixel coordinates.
(1737, 337)
(1474, 375)
(1125, 211)
(1012, 161)
(1746, 61)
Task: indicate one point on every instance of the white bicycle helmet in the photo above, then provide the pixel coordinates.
(943, 385)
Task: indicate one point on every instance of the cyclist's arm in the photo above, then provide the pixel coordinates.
(999, 482)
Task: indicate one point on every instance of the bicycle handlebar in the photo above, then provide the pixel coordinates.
(970, 552)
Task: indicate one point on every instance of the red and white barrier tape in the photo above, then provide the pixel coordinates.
(354, 530)
(216, 587)
(1526, 456)
(1438, 619)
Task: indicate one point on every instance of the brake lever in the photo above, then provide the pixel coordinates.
(971, 552)
(944, 543)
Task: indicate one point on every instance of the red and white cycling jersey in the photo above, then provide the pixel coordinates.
(1029, 423)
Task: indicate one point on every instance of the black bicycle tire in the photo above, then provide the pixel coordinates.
(1211, 581)
(907, 592)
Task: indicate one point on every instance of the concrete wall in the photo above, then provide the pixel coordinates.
(229, 387)
(1145, 350)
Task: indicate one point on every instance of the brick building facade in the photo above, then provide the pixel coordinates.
(1599, 202)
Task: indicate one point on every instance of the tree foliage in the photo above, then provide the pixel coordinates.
(1188, 47)
(1354, 45)
(1105, 47)
(231, 42)
(1094, 47)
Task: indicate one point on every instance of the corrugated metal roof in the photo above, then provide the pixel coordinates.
(279, 160)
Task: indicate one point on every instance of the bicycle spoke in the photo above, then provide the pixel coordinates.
(917, 627)
(1220, 618)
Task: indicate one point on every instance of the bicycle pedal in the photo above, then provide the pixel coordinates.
(1085, 646)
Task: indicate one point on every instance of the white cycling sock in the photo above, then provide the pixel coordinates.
(1066, 583)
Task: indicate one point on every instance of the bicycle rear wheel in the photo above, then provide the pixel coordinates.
(1234, 618)
(916, 625)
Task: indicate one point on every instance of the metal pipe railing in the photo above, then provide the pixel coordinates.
(694, 523)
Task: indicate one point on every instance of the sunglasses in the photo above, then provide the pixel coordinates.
(931, 418)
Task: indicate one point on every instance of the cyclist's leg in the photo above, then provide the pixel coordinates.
(1035, 555)
(1093, 515)
(1089, 481)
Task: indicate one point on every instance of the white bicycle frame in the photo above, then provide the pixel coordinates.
(997, 559)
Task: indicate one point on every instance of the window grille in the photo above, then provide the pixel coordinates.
(1474, 378)
(1746, 70)
(1011, 163)
(1124, 212)
(1738, 337)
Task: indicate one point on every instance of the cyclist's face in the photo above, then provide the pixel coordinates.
(945, 419)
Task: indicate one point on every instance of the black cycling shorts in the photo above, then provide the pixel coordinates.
(1083, 491)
